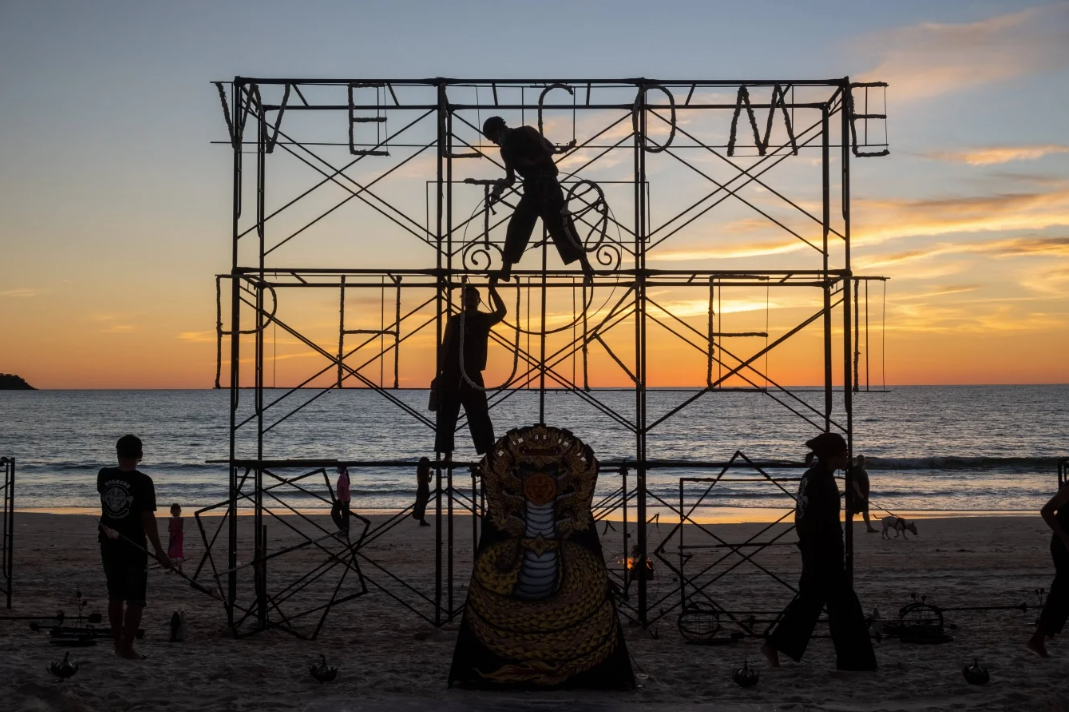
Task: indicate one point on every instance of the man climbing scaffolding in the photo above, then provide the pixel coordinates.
(527, 152)
(460, 381)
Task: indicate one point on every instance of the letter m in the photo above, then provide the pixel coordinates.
(779, 96)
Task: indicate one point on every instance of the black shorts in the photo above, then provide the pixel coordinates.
(127, 574)
(857, 505)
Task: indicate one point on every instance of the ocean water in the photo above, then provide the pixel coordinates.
(959, 448)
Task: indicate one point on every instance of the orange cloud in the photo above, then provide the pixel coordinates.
(1014, 247)
(882, 220)
(999, 154)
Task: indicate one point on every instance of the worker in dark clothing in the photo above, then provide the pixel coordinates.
(460, 381)
(824, 579)
(527, 152)
(1056, 611)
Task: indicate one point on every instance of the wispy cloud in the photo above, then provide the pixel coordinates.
(881, 220)
(198, 337)
(887, 219)
(940, 292)
(998, 154)
(1054, 281)
(20, 292)
(928, 59)
(1013, 247)
(727, 251)
(1000, 316)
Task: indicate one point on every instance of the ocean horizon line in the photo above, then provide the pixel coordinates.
(697, 386)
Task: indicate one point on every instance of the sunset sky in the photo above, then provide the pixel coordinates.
(115, 207)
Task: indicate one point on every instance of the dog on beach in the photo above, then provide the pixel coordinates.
(897, 524)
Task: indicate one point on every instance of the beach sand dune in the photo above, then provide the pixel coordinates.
(390, 659)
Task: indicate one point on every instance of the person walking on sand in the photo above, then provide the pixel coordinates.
(1056, 611)
(824, 579)
(423, 491)
(339, 512)
(127, 506)
(460, 381)
(176, 538)
(527, 152)
(857, 497)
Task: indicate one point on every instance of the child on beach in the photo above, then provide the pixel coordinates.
(339, 511)
(127, 523)
(175, 537)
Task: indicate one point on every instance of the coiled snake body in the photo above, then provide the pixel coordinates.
(538, 598)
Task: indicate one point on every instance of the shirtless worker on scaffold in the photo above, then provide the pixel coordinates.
(525, 151)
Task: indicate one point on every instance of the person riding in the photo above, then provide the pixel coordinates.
(824, 579)
(525, 151)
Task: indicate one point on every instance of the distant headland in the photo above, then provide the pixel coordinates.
(11, 382)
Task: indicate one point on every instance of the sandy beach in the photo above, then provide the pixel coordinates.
(389, 659)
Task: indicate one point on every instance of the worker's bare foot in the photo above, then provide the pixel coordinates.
(1037, 647)
(771, 655)
(129, 653)
(873, 531)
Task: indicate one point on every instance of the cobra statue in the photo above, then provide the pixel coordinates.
(539, 611)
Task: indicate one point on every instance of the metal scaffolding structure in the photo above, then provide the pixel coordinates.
(658, 175)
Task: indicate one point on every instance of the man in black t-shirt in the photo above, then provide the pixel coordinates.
(127, 523)
(460, 381)
(527, 152)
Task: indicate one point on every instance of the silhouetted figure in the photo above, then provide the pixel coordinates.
(423, 491)
(857, 497)
(824, 579)
(1051, 621)
(127, 519)
(176, 538)
(339, 512)
(527, 152)
(460, 381)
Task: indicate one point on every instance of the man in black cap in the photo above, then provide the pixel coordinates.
(527, 152)
(460, 380)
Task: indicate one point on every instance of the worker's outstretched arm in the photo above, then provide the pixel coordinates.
(499, 304)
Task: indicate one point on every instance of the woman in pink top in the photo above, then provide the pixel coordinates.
(175, 540)
(340, 511)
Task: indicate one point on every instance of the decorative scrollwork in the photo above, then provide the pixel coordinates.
(478, 256)
(593, 205)
(647, 144)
